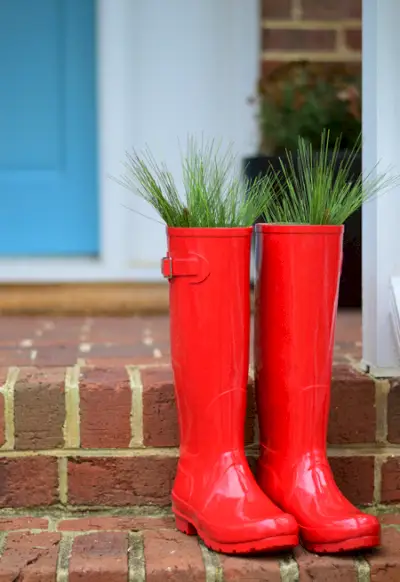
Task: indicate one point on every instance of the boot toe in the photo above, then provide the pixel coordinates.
(341, 529)
(270, 527)
(284, 524)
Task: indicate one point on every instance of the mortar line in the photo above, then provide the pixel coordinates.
(64, 554)
(58, 514)
(71, 428)
(382, 388)
(170, 452)
(3, 540)
(363, 569)
(296, 12)
(136, 416)
(8, 391)
(310, 24)
(63, 480)
(136, 558)
(378, 462)
(325, 57)
(156, 364)
(289, 569)
(212, 564)
(381, 452)
(341, 44)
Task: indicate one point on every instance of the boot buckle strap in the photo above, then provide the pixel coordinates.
(193, 266)
(166, 267)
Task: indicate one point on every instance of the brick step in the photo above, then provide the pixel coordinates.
(143, 547)
(108, 436)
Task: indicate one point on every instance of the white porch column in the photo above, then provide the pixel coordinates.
(381, 218)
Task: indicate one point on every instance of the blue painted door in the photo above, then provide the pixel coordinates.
(48, 182)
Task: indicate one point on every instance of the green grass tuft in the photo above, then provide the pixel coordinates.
(213, 195)
(319, 190)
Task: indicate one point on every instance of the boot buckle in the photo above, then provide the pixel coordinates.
(193, 266)
(166, 267)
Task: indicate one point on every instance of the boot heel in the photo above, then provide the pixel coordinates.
(184, 526)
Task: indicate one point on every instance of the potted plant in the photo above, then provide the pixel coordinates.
(299, 254)
(303, 99)
(209, 231)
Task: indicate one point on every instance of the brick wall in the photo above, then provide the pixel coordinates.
(327, 31)
(93, 437)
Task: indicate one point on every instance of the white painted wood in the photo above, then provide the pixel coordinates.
(395, 309)
(381, 130)
(165, 69)
(196, 65)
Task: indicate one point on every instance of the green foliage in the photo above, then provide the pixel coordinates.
(303, 100)
(213, 195)
(319, 189)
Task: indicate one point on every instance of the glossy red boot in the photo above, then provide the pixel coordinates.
(298, 270)
(215, 493)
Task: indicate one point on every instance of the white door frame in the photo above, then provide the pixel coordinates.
(223, 36)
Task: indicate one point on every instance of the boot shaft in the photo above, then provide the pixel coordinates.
(210, 320)
(298, 269)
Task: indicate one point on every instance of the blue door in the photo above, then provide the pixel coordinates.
(48, 174)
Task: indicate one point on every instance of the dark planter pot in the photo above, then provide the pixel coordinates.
(350, 282)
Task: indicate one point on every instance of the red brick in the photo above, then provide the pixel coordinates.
(28, 482)
(329, 568)
(160, 421)
(127, 330)
(105, 408)
(331, 9)
(170, 555)
(254, 569)
(59, 331)
(391, 481)
(20, 523)
(134, 523)
(99, 557)
(352, 412)
(15, 328)
(298, 40)
(355, 478)
(39, 408)
(271, 9)
(393, 408)
(390, 519)
(124, 355)
(121, 481)
(385, 562)
(354, 39)
(56, 355)
(30, 557)
(15, 357)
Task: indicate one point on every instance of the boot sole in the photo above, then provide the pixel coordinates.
(343, 546)
(253, 547)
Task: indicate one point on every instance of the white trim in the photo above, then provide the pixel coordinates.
(395, 309)
(165, 69)
(381, 128)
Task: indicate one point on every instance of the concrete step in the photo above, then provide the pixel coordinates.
(118, 548)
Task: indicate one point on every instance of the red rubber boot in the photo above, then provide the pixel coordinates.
(296, 300)
(215, 493)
